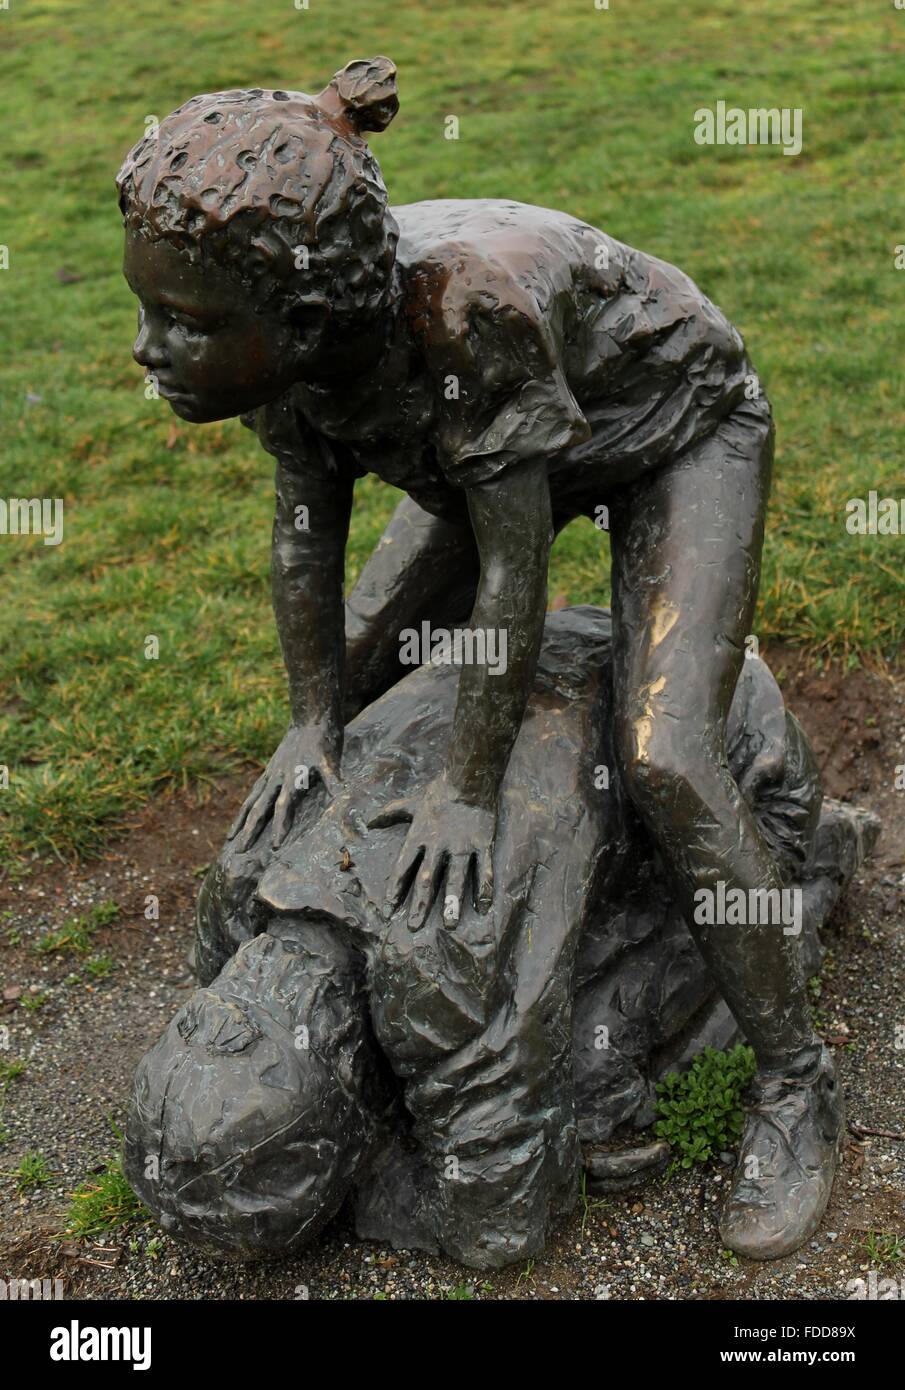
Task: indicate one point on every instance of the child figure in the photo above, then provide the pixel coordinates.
(510, 368)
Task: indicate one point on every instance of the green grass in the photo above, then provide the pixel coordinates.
(31, 1003)
(103, 1202)
(32, 1172)
(77, 934)
(588, 1206)
(99, 967)
(167, 526)
(9, 1071)
(884, 1249)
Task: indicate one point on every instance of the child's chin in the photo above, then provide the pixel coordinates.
(197, 412)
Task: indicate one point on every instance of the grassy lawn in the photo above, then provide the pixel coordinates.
(167, 525)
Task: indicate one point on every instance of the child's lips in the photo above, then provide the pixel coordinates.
(169, 392)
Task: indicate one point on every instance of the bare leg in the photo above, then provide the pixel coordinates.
(422, 567)
(686, 552)
(686, 563)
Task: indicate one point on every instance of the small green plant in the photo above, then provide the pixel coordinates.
(31, 1172)
(10, 1070)
(154, 1247)
(75, 935)
(885, 1249)
(13, 936)
(701, 1109)
(102, 914)
(32, 1002)
(587, 1205)
(72, 936)
(99, 966)
(462, 1291)
(103, 1202)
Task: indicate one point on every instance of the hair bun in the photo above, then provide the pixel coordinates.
(366, 92)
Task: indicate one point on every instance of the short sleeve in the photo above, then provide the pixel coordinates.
(513, 403)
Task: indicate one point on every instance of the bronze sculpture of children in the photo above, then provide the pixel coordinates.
(510, 368)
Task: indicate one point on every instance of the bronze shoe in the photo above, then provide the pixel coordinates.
(787, 1158)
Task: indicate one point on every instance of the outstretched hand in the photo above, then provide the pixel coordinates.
(302, 756)
(446, 836)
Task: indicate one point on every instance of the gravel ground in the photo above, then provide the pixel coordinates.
(86, 1034)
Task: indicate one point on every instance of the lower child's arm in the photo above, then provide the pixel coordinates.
(310, 529)
(514, 532)
(453, 818)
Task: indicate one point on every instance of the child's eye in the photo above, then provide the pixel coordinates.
(186, 321)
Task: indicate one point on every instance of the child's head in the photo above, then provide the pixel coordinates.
(257, 235)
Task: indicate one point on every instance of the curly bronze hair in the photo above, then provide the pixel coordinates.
(248, 178)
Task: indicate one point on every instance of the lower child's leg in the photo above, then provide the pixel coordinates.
(422, 568)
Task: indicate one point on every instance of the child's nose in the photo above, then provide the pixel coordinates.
(147, 351)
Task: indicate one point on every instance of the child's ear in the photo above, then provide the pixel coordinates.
(309, 322)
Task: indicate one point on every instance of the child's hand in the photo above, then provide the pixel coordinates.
(449, 833)
(305, 753)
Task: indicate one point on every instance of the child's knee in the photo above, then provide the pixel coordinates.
(666, 763)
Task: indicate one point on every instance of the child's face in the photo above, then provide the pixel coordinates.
(212, 355)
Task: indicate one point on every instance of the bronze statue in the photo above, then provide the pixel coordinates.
(510, 368)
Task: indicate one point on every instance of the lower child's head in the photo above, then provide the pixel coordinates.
(258, 237)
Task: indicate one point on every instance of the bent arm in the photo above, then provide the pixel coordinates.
(513, 528)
